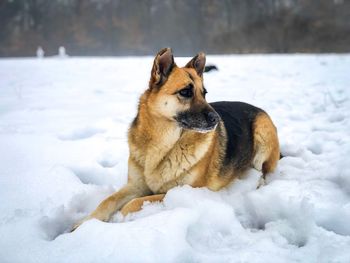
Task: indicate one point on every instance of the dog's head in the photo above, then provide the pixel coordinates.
(177, 94)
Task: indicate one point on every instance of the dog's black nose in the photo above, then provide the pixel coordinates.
(212, 118)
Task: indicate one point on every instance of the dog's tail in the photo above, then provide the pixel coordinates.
(210, 68)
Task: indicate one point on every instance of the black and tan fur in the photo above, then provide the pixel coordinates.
(178, 138)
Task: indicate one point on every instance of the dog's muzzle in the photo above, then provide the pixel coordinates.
(198, 121)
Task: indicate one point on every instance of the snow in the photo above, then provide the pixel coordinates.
(63, 149)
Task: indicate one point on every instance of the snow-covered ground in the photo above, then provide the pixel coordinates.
(63, 148)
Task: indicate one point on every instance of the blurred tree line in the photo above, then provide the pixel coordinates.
(130, 27)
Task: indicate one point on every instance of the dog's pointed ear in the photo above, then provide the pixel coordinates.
(197, 63)
(162, 66)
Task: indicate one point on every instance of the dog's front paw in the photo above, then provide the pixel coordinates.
(95, 215)
(80, 223)
(75, 227)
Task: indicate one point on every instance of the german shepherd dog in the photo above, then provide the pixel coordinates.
(178, 138)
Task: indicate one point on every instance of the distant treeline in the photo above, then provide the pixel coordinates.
(130, 27)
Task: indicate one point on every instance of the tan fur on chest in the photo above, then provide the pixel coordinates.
(169, 159)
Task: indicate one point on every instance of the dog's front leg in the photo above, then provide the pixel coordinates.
(136, 204)
(115, 202)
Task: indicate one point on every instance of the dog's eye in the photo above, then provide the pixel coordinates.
(187, 92)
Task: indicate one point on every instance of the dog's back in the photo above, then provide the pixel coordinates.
(251, 137)
(238, 118)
